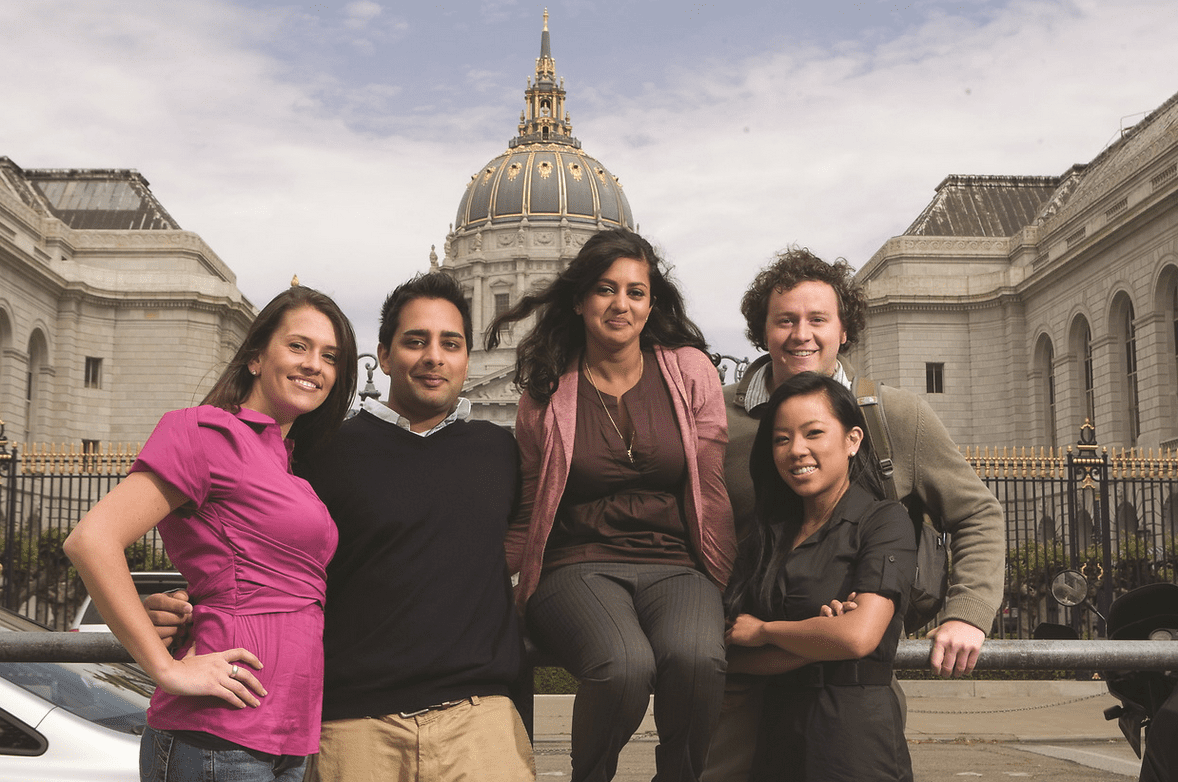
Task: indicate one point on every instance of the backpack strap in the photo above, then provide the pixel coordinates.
(871, 404)
(742, 388)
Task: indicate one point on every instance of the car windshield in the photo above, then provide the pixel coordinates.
(109, 694)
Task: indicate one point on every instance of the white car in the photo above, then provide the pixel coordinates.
(69, 721)
(88, 620)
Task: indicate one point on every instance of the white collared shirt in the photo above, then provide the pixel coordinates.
(760, 385)
(385, 413)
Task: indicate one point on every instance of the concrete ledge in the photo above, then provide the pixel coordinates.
(988, 688)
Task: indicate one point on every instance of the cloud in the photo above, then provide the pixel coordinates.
(845, 146)
(359, 14)
(287, 139)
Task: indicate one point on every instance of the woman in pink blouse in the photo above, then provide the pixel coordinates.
(241, 699)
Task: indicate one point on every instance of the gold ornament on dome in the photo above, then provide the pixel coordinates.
(545, 169)
(575, 170)
(490, 172)
(513, 171)
(600, 174)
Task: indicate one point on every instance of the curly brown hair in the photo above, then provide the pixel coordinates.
(797, 265)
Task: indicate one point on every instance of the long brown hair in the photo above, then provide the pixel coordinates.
(757, 585)
(234, 385)
(559, 334)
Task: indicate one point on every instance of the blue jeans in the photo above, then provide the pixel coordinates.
(163, 758)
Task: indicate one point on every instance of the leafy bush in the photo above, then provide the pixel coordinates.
(554, 681)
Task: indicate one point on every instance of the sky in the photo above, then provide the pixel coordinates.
(334, 140)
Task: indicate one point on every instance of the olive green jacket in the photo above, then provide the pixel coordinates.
(929, 469)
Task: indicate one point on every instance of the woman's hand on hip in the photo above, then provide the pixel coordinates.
(218, 675)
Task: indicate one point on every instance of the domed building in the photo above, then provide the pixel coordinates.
(523, 217)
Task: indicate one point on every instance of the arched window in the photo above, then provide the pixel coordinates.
(1132, 397)
(5, 337)
(1174, 321)
(1083, 377)
(1089, 377)
(1164, 417)
(1126, 412)
(1045, 363)
(38, 357)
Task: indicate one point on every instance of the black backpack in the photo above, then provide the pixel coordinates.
(931, 584)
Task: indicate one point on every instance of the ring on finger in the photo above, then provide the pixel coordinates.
(233, 672)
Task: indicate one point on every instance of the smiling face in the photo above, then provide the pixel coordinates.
(616, 308)
(803, 331)
(811, 447)
(426, 361)
(296, 370)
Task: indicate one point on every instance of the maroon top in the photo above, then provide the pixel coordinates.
(612, 510)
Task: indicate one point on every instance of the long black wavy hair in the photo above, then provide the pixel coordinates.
(757, 585)
(559, 334)
(234, 385)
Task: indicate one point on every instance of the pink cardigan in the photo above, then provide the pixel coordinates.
(546, 434)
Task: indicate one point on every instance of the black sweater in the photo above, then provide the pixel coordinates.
(419, 605)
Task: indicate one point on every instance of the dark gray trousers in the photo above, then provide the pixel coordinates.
(626, 631)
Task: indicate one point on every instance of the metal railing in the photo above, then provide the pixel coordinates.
(996, 654)
(910, 655)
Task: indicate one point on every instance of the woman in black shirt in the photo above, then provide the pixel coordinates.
(823, 537)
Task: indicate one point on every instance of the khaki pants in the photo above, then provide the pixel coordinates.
(734, 741)
(481, 739)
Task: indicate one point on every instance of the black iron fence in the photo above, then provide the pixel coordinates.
(44, 491)
(1110, 515)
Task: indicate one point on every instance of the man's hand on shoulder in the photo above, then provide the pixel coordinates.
(171, 613)
(956, 645)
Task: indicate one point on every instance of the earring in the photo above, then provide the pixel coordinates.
(254, 372)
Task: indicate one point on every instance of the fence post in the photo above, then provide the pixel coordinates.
(1089, 469)
(8, 458)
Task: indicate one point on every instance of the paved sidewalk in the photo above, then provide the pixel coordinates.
(1042, 711)
(1026, 711)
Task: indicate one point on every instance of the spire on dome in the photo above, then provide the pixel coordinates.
(545, 119)
(545, 45)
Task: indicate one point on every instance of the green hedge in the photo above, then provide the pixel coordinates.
(554, 681)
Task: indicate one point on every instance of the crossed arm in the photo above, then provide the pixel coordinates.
(838, 633)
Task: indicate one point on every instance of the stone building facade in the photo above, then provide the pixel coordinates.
(523, 216)
(1021, 306)
(110, 314)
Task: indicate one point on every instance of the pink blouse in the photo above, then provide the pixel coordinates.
(255, 553)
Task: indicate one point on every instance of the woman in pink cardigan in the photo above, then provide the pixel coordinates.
(624, 537)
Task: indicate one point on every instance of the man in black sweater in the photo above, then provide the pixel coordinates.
(421, 640)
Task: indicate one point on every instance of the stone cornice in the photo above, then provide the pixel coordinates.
(1001, 297)
(125, 242)
(1102, 236)
(947, 248)
(156, 301)
(1116, 171)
